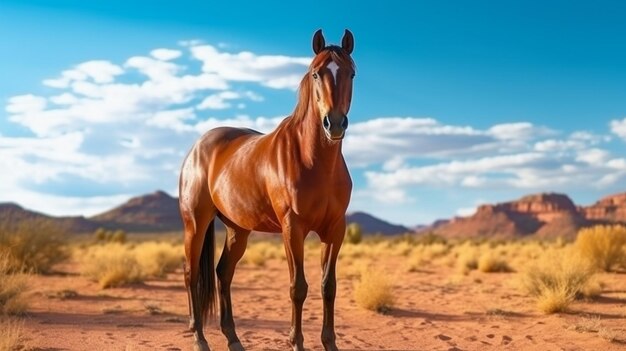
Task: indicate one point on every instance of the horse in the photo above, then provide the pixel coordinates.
(292, 181)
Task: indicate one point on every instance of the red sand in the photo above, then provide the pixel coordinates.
(436, 310)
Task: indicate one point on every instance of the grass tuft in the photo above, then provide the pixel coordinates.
(11, 334)
(374, 291)
(556, 280)
(603, 246)
(13, 287)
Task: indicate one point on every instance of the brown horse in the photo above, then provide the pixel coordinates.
(293, 180)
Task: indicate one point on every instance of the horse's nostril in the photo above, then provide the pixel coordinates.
(326, 122)
(344, 123)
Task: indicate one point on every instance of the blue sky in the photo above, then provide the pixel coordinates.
(455, 103)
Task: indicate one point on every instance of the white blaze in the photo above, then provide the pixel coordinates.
(333, 67)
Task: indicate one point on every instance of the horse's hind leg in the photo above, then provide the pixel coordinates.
(196, 221)
(234, 248)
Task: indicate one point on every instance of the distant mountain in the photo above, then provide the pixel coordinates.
(372, 225)
(155, 212)
(545, 215)
(13, 215)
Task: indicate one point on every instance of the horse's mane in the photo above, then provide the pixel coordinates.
(332, 52)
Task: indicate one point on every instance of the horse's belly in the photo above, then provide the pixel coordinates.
(246, 211)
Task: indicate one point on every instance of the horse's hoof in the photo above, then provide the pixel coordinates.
(201, 346)
(236, 346)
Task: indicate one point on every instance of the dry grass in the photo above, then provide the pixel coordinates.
(115, 264)
(609, 335)
(110, 265)
(11, 335)
(34, 246)
(556, 280)
(602, 245)
(594, 325)
(13, 287)
(491, 262)
(158, 258)
(374, 291)
(259, 252)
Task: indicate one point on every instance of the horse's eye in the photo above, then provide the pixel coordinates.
(314, 75)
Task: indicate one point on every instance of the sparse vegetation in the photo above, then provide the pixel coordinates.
(10, 334)
(354, 234)
(110, 236)
(115, 264)
(259, 252)
(374, 291)
(602, 245)
(34, 246)
(13, 298)
(157, 258)
(110, 265)
(556, 280)
(491, 262)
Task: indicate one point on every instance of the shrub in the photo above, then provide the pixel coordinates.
(10, 334)
(429, 239)
(118, 236)
(374, 291)
(100, 234)
(556, 280)
(491, 262)
(157, 259)
(111, 265)
(13, 287)
(354, 234)
(602, 245)
(35, 246)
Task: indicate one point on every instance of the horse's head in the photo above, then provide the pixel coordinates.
(332, 72)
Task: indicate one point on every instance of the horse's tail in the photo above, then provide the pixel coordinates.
(207, 286)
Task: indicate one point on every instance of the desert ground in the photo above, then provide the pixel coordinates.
(435, 305)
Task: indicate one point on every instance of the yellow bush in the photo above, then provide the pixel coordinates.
(259, 252)
(602, 245)
(111, 265)
(10, 334)
(374, 291)
(556, 280)
(157, 258)
(354, 234)
(36, 246)
(13, 287)
(490, 262)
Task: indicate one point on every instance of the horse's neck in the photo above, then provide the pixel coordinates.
(315, 150)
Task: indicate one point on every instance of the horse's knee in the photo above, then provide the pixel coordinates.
(299, 290)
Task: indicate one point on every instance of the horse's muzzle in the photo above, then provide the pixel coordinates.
(335, 126)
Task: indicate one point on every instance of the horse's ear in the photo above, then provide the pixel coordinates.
(347, 43)
(318, 42)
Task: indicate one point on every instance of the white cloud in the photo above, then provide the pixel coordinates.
(218, 101)
(274, 71)
(618, 127)
(99, 71)
(26, 104)
(165, 54)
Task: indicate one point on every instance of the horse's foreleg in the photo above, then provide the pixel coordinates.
(234, 248)
(293, 238)
(330, 251)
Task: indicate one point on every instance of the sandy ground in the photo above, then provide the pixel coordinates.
(436, 309)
